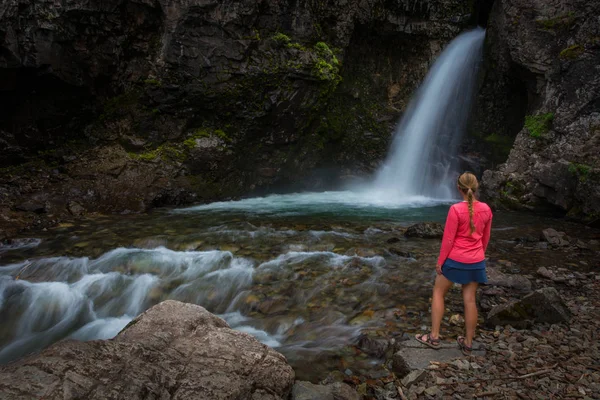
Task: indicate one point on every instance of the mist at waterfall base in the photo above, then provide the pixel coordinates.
(270, 266)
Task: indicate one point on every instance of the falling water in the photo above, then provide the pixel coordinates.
(423, 158)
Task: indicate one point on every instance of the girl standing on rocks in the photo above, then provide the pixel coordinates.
(461, 260)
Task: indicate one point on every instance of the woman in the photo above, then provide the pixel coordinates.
(461, 260)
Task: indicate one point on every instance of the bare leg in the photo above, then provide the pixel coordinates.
(469, 293)
(441, 287)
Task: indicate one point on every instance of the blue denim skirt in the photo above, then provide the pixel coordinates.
(464, 273)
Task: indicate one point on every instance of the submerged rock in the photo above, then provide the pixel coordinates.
(425, 230)
(172, 351)
(543, 305)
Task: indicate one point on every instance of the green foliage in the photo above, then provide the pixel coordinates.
(326, 67)
(538, 125)
(582, 171)
(565, 20)
(323, 50)
(153, 82)
(282, 38)
(571, 52)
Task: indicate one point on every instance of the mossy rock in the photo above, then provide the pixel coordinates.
(571, 52)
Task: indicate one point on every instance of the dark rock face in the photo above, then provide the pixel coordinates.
(127, 105)
(541, 87)
(542, 305)
(172, 351)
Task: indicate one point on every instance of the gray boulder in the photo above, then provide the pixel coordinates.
(542, 305)
(172, 351)
(336, 391)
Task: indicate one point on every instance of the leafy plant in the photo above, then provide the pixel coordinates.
(538, 125)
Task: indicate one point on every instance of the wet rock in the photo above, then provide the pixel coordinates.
(554, 238)
(402, 253)
(516, 282)
(425, 230)
(546, 273)
(392, 240)
(373, 345)
(543, 305)
(75, 209)
(35, 206)
(173, 350)
(335, 391)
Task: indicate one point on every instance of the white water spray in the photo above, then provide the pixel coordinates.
(422, 159)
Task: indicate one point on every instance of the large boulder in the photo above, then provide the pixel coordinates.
(172, 351)
(425, 230)
(335, 391)
(542, 305)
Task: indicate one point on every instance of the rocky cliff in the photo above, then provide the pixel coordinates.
(124, 105)
(542, 86)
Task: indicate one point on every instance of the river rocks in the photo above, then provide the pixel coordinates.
(554, 238)
(425, 230)
(334, 391)
(374, 345)
(515, 282)
(174, 350)
(542, 305)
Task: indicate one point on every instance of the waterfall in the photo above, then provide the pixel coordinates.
(422, 160)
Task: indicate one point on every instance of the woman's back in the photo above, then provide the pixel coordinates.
(460, 242)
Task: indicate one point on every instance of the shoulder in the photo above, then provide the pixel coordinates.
(484, 207)
(458, 208)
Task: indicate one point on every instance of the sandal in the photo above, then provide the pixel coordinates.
(466, 350)
(427, 340)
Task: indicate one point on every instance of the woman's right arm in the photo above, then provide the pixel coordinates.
(449, 236)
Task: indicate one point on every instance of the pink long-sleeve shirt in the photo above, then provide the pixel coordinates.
(458, 243)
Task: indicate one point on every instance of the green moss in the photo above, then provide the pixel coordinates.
(297, 46)
(571, 52)
(582, 171)
(282, 38)
(538, 125)
(153, 82)
(166, 152)
(199, 133)
(565, 20)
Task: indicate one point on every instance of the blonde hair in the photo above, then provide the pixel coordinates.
(467, 183)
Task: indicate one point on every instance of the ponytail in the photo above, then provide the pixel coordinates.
(470, 202)
(467, 183)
